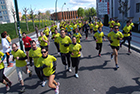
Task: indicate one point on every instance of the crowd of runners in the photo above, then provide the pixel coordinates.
(67, 42)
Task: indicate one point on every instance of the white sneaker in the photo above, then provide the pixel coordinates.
(70, 69)
(57, 88)
(59, 53)
(66, 67)
(76, 75)
(44, 83)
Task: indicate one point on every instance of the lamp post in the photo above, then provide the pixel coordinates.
(56, 9)
(62, 9)
(18, 25)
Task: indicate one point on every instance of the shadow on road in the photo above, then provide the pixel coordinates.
(90, 68)
(127, 89)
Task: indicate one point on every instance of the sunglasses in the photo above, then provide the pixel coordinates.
(116, 28)
(43, 52)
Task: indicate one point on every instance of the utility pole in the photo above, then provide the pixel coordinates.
(18, 25)
(56, 9)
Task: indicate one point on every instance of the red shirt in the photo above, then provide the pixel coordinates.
(27, 42)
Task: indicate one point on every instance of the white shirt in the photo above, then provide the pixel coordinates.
(5, 45)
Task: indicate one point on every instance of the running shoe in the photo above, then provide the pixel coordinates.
(117, 66)
(76, 75)
(66, 67)
(57, 88)
(44, 83)
(111, 56)
(70, 69)
(99, 55)
(59, 53)
(30, 74)
(129, 51)
(9, 84)
(22, 89)
(7, 87)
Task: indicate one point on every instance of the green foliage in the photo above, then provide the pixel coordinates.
(90, 12)
(10, 28)
(80, 12)
(23, 17)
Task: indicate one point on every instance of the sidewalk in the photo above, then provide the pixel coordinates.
(135, 43)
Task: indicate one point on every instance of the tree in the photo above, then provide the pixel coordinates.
(32, 16)
(14, 16)
(25, 13)
(90, 12)
(39, 17)
(123, 9)
(48, 13)
(80, 12)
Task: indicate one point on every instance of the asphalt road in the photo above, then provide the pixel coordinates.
(97, 75)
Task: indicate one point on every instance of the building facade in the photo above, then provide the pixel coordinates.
(6, 15)
(65, 15)
(133, 12)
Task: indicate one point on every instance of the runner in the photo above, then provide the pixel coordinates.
(111, 23)
(3, 78)
(127, 35)
(55, 36)
(8, 37)
(95, 28)
(100, 24)
(78, 36)
(114, 37)
(91, 27)
(64, 42)
(35, 53)
(75, 49)
(36, 31)
(98, 37)
(49, 68)
(43, 40)
(21, 65)
(86, 28)
(117, 23)
(80, 27)
(27, 44)
(46, 31)
(6, 48)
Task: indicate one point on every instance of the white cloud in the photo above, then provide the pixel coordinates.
(82, 3)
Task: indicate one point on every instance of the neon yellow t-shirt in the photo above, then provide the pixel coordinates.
(52, 29)
(43, 43)
(96, 27)
(100, 24)
(91, 26)
(75, 50)
(118, 24)
(19, 53)
(114, 37)
(111, 23)
(46, 31)
(78, 36)
(127, 30)
(56, 36)
(35, 54)
(1, 64)
(80, 25)
(49, 63)
(75, 26)
(8, 38)
(99, 37)
(62, 42)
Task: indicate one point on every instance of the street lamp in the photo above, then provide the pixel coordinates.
(56, 9)
(18, 25)
(62, 9)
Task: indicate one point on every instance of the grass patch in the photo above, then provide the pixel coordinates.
(10, 28)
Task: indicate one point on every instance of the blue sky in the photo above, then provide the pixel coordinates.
(43, 5)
